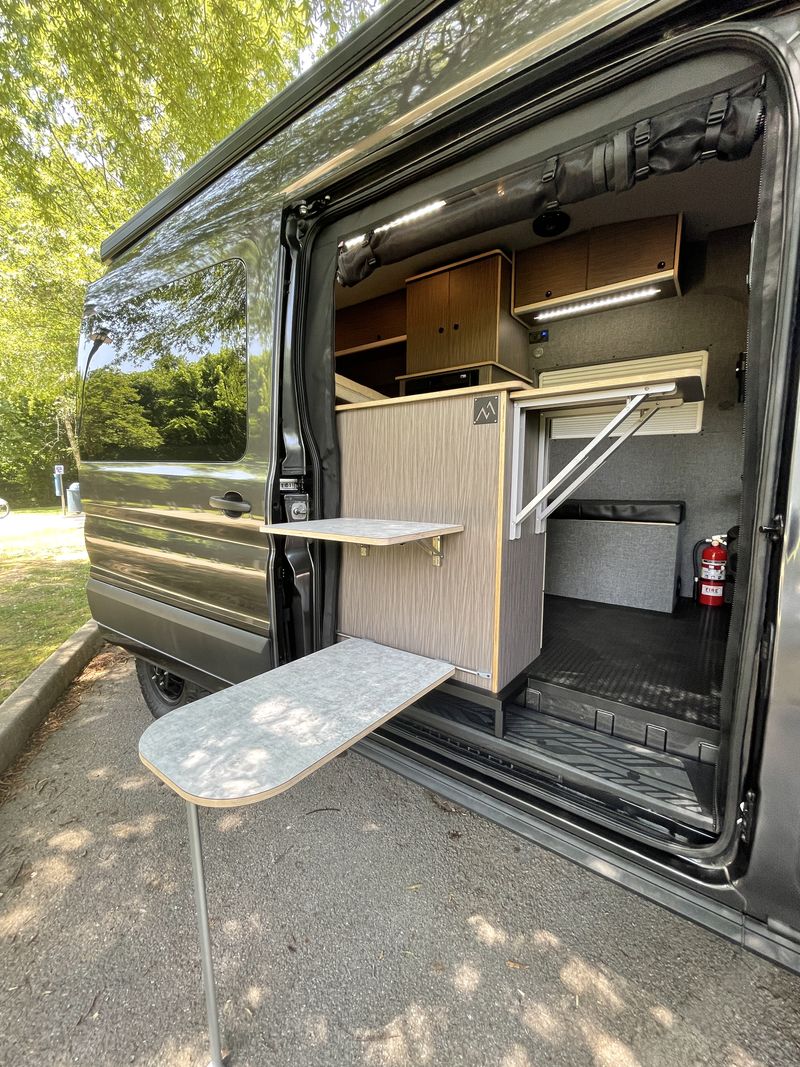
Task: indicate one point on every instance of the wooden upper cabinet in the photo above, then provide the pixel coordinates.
(460, 315)
(548, 271)
(428, 322)
(630, 250)
(607, 258)
(372, 322)
(474, 309)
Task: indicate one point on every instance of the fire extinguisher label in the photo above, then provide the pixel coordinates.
(710, 590)
(714, 572)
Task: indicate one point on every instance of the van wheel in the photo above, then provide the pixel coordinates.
(162, 690)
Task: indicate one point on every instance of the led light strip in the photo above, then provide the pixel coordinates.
(401, 220)
(613, 300)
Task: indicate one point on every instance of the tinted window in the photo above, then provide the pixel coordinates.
(165, 374)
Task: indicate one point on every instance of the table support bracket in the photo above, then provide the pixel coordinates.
(434, 549)
(570, 477)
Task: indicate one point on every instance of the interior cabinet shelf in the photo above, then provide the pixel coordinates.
(369, 345)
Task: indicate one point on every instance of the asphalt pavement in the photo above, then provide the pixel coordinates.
(358, 919)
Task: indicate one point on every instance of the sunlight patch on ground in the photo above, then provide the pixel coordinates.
(485, 932)
(467, 978)
(71, 840)
(516, 1057)
(142, 827)
(407, 1039)
(607, 1050)
(586, 981)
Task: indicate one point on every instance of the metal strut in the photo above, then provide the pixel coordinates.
(541, 506)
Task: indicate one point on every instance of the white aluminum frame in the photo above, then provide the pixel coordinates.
(540, 506)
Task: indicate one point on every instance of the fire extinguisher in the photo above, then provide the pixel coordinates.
(713, 561)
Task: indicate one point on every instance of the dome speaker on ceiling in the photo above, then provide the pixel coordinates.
(551, 223)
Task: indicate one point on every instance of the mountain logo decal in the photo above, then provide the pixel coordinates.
(485, 410)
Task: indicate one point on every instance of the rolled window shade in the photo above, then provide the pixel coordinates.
(724, 127)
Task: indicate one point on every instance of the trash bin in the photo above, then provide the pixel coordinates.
(74, 499)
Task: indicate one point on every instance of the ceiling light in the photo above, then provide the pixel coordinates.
(598, 304)
(401, 220)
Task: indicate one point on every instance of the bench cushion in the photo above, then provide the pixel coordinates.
(671, 511)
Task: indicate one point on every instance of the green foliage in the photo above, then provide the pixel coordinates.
(102, 104)
(175, 410)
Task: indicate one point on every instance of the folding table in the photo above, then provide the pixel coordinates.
(256, 739)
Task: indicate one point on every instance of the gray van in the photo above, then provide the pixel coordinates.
(479, 341)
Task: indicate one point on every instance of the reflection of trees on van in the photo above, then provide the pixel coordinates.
(168, 378)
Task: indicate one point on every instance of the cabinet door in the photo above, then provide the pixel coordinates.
(371, 322)
(547, 271)
(474, 311)
(427, 321)
(630, 250)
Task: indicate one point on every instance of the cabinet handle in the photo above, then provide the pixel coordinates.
(455, 325)
(441, 329)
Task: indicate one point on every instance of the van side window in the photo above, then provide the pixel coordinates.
(165, 374)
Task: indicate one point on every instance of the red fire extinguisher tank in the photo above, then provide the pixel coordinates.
(712, 574)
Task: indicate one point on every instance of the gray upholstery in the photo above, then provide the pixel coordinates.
(635, 564)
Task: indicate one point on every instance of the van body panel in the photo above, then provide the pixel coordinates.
(211, 653)
(149, 526)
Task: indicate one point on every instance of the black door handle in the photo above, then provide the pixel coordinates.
(231, 504)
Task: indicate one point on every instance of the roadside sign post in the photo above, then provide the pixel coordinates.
(58, 481)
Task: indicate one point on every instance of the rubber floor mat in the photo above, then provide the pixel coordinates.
(671, 664)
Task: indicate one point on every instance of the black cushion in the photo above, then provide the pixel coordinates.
(671, 511)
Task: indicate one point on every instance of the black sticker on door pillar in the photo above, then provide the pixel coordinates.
(485, 410)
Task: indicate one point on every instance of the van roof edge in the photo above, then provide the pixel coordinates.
(383, 30)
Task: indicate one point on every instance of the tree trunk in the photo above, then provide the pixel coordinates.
(67, 417)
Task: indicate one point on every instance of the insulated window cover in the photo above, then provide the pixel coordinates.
(684, 418)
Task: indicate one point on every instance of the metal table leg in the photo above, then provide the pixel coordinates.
(201, 907)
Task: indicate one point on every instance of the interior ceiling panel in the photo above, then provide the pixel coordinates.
(712, 196)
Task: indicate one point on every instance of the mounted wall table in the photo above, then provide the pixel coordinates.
(368, 532)
(257, 739)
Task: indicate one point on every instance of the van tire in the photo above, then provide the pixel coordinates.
(164, 691)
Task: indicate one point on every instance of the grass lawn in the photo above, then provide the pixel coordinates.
(43, 573)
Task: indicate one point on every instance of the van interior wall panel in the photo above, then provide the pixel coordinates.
(703, 469)
(523, 571)
(398, 468)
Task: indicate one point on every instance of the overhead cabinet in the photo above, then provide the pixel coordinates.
(601, 262)
(371, 324)
(459, 315)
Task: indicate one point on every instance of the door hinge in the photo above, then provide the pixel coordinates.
(747, 816)
(307, 209)
(775, 529)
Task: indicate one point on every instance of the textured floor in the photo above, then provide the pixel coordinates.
(357, 920)
(678, 787)
(670, 664)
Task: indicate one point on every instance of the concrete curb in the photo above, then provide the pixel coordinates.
(29, 705)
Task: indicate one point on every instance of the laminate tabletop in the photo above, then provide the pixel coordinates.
(256, 739)
(363, 531)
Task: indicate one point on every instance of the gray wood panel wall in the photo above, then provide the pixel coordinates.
(426, 460)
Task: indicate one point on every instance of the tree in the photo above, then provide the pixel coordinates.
(101, 105)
